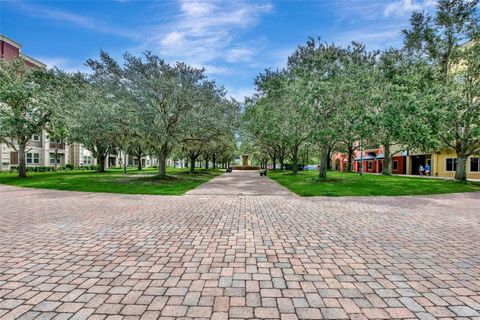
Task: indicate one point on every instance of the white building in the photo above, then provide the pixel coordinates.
(40, 152)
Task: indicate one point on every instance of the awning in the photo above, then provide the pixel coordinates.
(371, 157)
(367, 157)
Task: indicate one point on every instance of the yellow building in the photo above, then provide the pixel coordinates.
(443, 164)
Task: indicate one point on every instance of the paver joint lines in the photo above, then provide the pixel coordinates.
(73, 255)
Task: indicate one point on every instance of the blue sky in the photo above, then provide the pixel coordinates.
(233, 40)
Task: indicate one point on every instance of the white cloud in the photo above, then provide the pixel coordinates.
(406, 7)
(239, 54)
(206, 31)
(87, 22)
(239, 94)
(52, 62)
(173, 39)
(195, 8)
(65, 64)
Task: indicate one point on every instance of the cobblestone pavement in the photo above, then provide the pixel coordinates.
(72, 255)
(240, 183)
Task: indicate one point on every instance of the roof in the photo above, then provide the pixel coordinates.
(10, 41)
(366, 157)
(371, 157)
(32, 60)
(22, 55)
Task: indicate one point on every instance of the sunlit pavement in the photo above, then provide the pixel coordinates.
(240, 247)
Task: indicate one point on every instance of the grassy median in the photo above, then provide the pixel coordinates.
(146, 181)
(306, 184)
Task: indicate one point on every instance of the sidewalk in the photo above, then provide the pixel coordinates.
(241, 182)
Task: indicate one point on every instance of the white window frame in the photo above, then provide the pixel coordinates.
(34, 158)
(36, 137)
(87, 160)
(52, 158)
(454, 165)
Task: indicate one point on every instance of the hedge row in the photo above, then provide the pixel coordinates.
(59, 168)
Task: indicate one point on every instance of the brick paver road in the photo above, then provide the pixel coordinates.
(229, 255)
(241, 183)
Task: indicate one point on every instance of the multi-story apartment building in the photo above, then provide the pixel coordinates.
(40, 152)
(80, 156)
(40, 149)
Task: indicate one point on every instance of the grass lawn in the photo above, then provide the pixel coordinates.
(146, 181)
(306, 184)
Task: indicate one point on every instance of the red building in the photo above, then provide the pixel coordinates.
(10, 49)
(372, 161)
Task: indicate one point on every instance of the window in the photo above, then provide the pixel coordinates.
(13, 157)
(370, 165)
(395, 165)
(36, 137)
(52, 158)
(87, 160)
(33, 158)
(474, 164)
(451, 164)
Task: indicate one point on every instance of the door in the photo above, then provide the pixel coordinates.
(416, 162)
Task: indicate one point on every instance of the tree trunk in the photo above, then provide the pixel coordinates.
(460, 171)
(139, 164)
(214, 161)
(295, 159)
(274, 164)
(281, 163)
(124, 162)
(350, 158)
(22, 166)
(206, 163)
(386, 160)
(55, 157)
(324, 159)
(101, 162)
(162, 165)
(192, 164)
(329, 155)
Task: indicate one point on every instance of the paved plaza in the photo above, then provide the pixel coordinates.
(238, 247)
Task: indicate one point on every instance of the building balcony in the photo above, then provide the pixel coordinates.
(53, 146)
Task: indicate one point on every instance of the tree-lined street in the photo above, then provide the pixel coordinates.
(343, 183)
